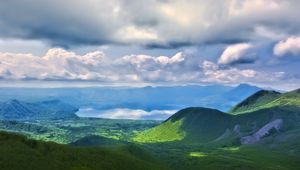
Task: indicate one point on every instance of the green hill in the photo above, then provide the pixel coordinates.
(268, 111)
(95, 140)
(190, 124)
(267, 99)
(19, 153)
(258, 99)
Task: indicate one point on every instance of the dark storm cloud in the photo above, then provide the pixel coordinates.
(58, 22)
(149, 23)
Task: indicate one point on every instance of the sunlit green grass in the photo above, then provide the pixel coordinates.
(231, 149)
(166, 132)
(197, 154)
(70, 130)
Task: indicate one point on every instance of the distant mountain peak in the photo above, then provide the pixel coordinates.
(13, 101)
(245, 85)
(51, 109)
(241, 91)
(53, 101)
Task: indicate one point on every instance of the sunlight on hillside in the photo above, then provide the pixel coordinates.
(198, 154)
(231, 149)
(166, 132)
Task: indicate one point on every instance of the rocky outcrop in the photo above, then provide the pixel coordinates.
(262, 132)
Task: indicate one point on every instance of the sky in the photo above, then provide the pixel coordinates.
(150, 42)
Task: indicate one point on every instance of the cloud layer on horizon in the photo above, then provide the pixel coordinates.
(124, 113)
(63, 65)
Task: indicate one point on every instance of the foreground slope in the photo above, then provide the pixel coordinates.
(19, 153)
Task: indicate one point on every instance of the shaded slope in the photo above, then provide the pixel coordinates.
(13, 109)
(94, 140)
(258, 99)
(202, 124)
(19, 153)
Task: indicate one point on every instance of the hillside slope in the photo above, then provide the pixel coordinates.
(192, 124)
(95, 140)
(19, 153)
(267, 99)
(258, 99)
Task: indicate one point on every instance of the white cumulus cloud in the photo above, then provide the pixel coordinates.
(213, 73)
(289, 46)
(237, 54)
(63, 65)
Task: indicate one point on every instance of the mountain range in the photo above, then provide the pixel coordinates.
(264, 116)
(50, 109)
(145, 98)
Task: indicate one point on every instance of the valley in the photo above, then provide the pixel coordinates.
(260, 132)
(149, 85)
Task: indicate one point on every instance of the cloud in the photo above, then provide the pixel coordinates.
(289, 46)
(238, 54)
(60, 64)
(167, 24)
(124, 113)
(63, 65)
(214, 73)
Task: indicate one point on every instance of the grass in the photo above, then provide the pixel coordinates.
(197, 154)
(70, 130)
(167, 141)
(166, 132)
(191, 125)
(19, 153)
(231, 149)
(255, 157)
